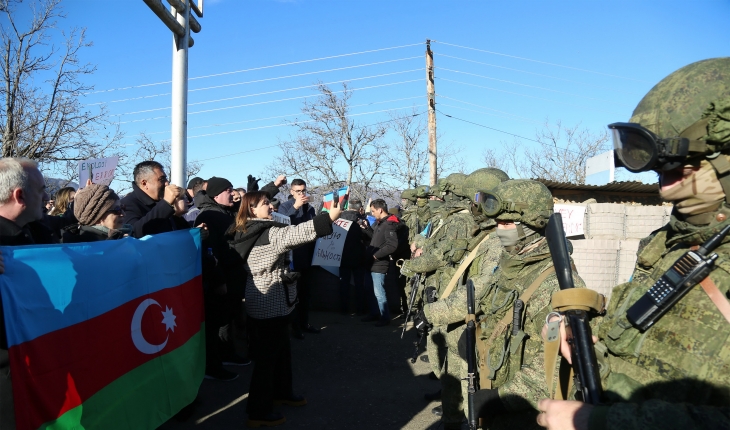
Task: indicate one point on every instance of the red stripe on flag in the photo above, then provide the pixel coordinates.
(95, 352)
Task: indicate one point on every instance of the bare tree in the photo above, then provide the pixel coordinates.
(329, 149)
(560, 156)
(147, 150)
(406, 161)
(43, 117)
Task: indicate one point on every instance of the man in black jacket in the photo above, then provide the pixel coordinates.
(351, 265)
(298, 209)
(383, 243)
(21, 210)
(154, 206)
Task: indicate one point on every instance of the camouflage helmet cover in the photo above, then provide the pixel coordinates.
(452, 184)
(409, 195)
(422, 191)
(681, 99)
(533, 202)
(485, 179)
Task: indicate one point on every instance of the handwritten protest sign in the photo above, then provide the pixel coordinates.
(328, 249)
(572, 218)
(99, 170)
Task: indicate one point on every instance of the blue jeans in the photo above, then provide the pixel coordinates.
(380, 308)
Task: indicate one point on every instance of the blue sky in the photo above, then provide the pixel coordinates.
(622, 48)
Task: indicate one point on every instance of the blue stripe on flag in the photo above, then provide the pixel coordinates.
(56, 286)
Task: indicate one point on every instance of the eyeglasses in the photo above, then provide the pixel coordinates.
(117, 211)
(162, 179)
(303, 191)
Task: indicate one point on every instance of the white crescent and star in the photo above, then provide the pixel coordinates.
(168, 318)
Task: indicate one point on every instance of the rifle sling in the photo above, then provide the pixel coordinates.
(483, 347)
(564, 300)
(717, 297)
(462, 268)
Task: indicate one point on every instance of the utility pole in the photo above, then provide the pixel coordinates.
(179, 20)
(431, 94)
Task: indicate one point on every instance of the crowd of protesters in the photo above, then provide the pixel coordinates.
(257, 273)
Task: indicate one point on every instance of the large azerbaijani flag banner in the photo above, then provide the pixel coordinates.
(104, 335)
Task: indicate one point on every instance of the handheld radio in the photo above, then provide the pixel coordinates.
(688, 271)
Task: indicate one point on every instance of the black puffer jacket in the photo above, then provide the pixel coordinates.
(384, 242)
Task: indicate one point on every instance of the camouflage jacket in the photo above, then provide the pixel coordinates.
(453, 308)
(416, 218)
(677, 373)
(518, 370)
(453, 234)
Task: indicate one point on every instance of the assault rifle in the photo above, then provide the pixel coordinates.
(577, 328)
(471, 359)
(415, 281)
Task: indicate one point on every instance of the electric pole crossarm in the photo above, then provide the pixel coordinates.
(198, 8)
(180, 7)
(166, 17)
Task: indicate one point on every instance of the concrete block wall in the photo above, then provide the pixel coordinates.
(607, 255)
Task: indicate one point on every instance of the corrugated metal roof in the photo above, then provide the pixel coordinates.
(624, 187)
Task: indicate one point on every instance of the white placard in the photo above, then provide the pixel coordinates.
(328, 250)
(99, 170)
(572, 218)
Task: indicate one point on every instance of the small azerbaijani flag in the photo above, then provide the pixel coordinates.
(104, 335)
(344, 196)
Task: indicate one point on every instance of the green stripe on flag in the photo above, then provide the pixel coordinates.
(145, 397)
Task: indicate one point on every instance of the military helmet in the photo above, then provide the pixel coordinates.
(451, 184)
(409, 195)
(519, 200)
(682, 117)
(483, 179)
(422, 191)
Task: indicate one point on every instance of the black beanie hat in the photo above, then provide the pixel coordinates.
(217, 185)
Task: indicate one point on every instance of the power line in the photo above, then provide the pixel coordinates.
(285, 124)
(538, 61)
(259, 68)
(258, 80)
(269, 101)
(273, 146)
(537, 74)
(505, 132)
(278, 116)
(269, 92)
(524, 95)
(482, 112)
(484, 107)
(527, 85)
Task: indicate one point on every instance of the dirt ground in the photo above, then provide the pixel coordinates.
(354, 375)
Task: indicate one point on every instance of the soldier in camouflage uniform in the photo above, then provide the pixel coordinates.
(511, 367)
(676, 374)
(417, 215)
(461, 232)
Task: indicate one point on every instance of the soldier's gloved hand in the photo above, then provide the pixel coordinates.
(488, 405)
(421, 323)
(406, 271)
(429, 294)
